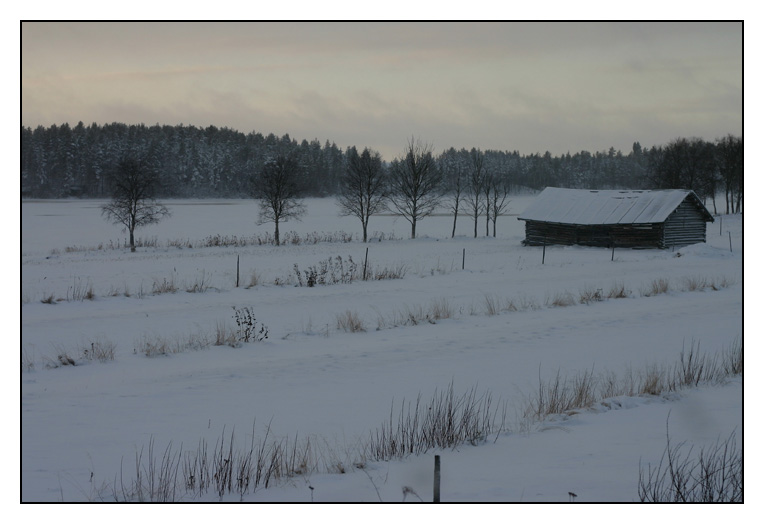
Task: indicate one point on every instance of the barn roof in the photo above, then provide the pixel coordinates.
(590, 207)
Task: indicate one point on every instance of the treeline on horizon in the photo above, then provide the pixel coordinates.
(192, 162)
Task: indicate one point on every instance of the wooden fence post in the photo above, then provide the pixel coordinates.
(436, 484)
(365, 261)
(237, 270)
(464, 253)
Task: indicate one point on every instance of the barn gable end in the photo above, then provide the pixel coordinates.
(685, 226)
(656, 219)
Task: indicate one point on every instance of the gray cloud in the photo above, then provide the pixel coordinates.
(527, 86)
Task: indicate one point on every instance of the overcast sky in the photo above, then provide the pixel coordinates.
(531, 87)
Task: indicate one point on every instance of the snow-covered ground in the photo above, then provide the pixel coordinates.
(81, 424)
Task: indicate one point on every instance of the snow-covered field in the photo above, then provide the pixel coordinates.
(81, 424)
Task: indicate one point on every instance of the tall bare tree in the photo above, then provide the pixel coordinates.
(475, 182)
(132, 204)
(729, 160)
(363, 187)
(488, 185)
(451, 166)
(278, 190)
(499, 198)
(416, 183)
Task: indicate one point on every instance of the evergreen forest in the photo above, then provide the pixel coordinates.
(61, 161)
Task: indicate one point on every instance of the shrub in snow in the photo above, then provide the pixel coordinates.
(247, 326)
(714, 475)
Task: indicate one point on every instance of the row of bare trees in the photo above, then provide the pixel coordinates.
(475, 189)
(417, 183)
(414, 185)
(708, 168)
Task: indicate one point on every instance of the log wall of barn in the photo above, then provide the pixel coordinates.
(628, 235)
(684, 226)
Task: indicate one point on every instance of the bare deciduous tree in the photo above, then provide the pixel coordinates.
(729, 161)
(489, 178)
(415, 183)
(499, 200)
(475, 183)
(454, 177)
(132, 204)
(363, 187)
(278, 190)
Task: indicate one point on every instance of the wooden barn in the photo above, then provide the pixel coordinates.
(613, 218)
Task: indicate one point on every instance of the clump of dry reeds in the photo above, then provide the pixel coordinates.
(350, 322)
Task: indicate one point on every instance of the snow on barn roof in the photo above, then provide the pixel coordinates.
(590, 207)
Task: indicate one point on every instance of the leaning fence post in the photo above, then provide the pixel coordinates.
(365, 261)
(730, 233)
(436, 484)
(543, 253)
